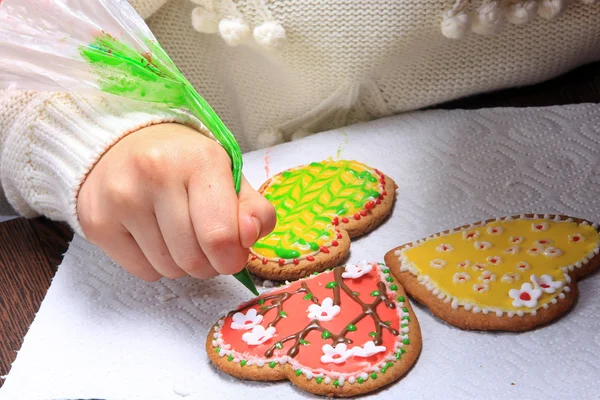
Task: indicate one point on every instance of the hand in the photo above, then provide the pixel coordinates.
(161, 202)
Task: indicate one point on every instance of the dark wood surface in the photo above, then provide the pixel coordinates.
(30, 251)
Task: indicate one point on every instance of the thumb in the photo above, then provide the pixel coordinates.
(256, 215)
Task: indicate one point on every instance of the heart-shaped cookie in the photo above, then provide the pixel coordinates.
(319, 207)
(512, 273)
(343, 332)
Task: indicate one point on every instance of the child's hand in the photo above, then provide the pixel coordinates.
(162, 202)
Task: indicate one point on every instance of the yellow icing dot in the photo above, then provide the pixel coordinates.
(503, 256)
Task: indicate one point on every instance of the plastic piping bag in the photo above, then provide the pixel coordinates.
(105, 48)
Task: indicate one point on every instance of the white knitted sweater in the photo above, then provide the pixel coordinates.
(276, 70)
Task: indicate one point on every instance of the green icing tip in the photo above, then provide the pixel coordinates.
(245, 279)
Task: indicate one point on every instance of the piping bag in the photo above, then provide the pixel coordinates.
(102, 47)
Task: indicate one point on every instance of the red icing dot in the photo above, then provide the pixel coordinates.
(310, 258)
(335, 221)
(545, 285)
(324, 249)
(539, 226)
(296, 261)
(254, 258)
(576, 238)
(384, 193)
(265, 261)
(345, 220)
(534, 249)
(339, 236)
(363, 213)
(281, 261)
(525, 296)
(334, 243)
(369, 205)
(378, 201)
(357, 216)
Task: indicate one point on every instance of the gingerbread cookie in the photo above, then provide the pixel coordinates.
(513, 273)
(320, 207)
(343, 332)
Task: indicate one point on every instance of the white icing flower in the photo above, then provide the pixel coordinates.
(337, 354)
(495, 260)
(481, 287)
(479, 267)
(577, 237)
(354, 271)
(495, 230)
(546, 283)
(246, 321)
(487, 277)
(516, 239)
(437, 263)
(512, 250)
(444, 248)
(510, 277)
(527, 296)
(258, 335)
(482, 245)
(461, 277)
(552, 252)
(543, 243)
(464, 264)
(523, 266)
(324, 312)
(470, 235)
(539, 226)
(534, 251)
(368, 349)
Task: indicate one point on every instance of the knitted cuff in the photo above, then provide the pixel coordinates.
(56, 141)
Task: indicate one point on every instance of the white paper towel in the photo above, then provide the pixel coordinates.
(103, 334)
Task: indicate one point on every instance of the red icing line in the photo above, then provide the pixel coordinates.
(296, 308)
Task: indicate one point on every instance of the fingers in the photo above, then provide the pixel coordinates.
(214, 214)
(146, 232)
(256, 215)
(124, 250)
(172, 214)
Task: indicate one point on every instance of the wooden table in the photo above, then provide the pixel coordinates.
(30, 251)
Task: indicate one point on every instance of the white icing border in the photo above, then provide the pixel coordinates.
(260, 362)
(424, 280)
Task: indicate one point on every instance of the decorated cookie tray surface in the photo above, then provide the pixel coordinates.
(102, 334)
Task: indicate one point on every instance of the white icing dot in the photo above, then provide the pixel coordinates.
(499, 313)
(545, 305)
(215, 343)
(520, 313)
(567, 289)
(510, 314)
(476, 310)
(341, 380)
(468, 306)
(454, 304)
(561, 296)
(260, 363)
(308, 374)
(327, 380)
(363, 375)
(397, 252)
(534, 312)
(554, 301)
(485, 311)
(351, 380)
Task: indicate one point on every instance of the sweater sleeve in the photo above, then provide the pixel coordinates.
(50, 141)
(146, 8)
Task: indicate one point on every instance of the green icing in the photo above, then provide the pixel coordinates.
(308, 198)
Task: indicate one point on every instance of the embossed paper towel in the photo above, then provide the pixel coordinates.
(103, 334)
